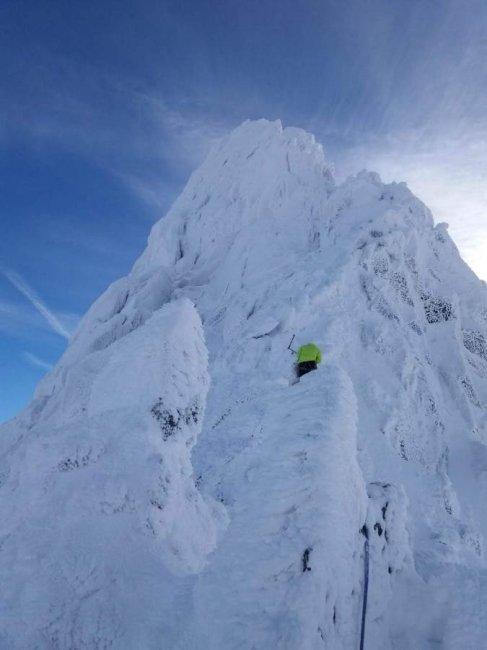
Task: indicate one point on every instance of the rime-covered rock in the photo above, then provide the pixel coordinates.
(150, 501)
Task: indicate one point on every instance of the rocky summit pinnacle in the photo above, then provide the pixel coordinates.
(172, 486)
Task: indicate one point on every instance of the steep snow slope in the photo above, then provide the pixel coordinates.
(288, 564)
(257, 539)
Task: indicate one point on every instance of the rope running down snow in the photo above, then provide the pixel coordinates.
(365, 533)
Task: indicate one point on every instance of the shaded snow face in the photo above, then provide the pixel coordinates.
(254, 537)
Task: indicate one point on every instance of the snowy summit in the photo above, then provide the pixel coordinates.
(172, 487)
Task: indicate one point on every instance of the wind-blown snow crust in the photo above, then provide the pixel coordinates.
(171, 488)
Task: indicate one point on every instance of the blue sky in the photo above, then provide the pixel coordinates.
(107, 106)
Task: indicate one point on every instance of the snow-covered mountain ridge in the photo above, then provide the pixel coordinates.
(170, 487)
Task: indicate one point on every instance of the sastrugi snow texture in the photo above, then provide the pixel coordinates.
(172, 488)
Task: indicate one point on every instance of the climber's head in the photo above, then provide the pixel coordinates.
(309, 352)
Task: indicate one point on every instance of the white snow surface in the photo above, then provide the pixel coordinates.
(171, 487)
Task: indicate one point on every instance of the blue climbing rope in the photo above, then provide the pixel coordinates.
(365, 533)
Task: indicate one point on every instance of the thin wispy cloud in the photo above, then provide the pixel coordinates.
(155, 193)
(147, 143)
(188, 135)
(37, 361)
(106, 117)
(36, 301)
(20, 321)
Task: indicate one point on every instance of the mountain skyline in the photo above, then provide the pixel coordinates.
(106, 110)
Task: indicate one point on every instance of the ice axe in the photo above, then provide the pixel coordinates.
(290, 343)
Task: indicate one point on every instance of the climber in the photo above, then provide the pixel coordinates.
(309, 356)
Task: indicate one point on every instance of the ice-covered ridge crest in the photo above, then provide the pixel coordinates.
(257, 183)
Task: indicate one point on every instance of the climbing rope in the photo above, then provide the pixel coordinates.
(365, 533)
